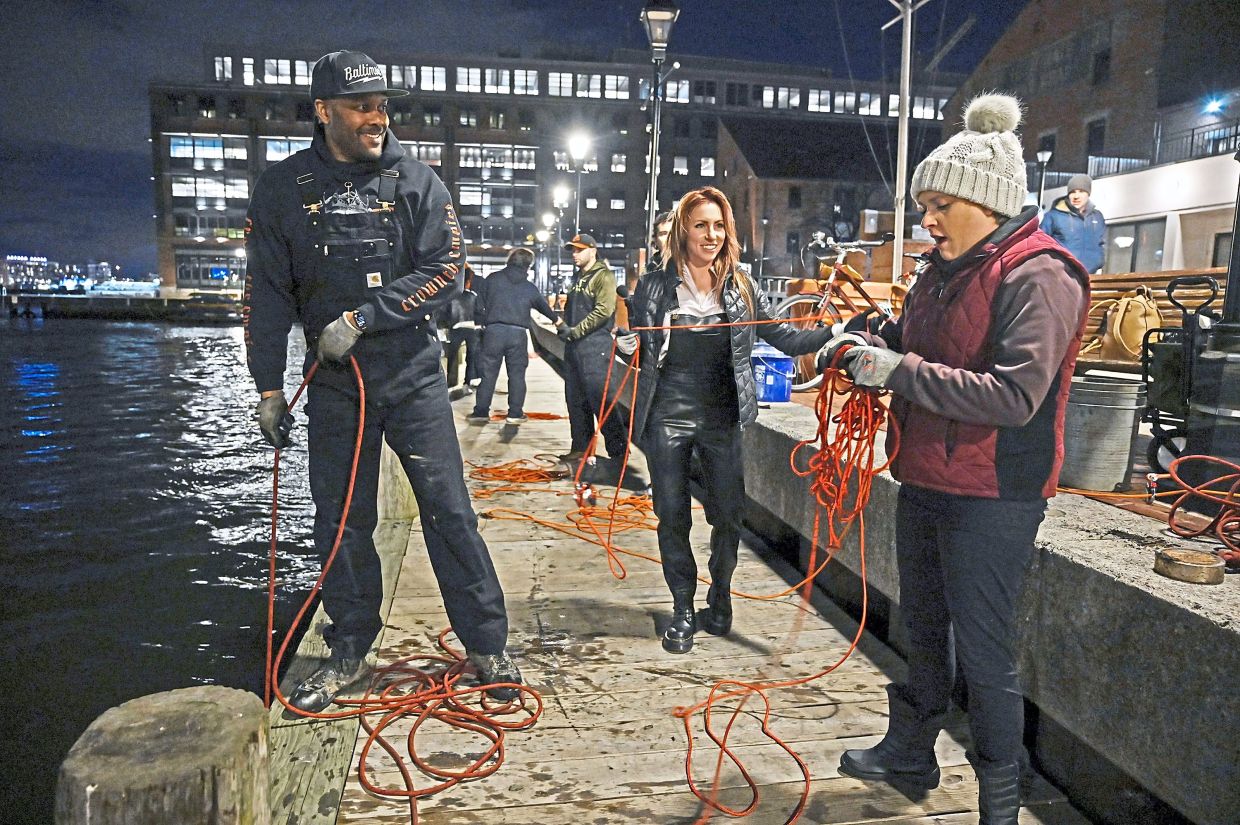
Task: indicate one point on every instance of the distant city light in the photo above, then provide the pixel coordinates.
(1213, 106)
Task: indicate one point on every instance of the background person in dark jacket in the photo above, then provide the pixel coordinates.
(505, 298)
(457, 319)
(360, 243)
(1076, 223)
(694, 393)
(979, 367)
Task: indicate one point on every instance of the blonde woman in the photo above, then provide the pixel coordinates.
(695, 392)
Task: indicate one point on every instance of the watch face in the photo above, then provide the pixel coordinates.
(360, 320)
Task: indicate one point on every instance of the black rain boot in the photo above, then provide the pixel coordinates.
(716, 618)
(998, 794)
(678, 638)
(906, 753)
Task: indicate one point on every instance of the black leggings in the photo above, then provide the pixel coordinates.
(690, 416)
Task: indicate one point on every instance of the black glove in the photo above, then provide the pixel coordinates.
(275, 420)
(563, 333)
(337, 339)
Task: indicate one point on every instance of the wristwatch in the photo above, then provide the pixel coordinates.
(359, 320)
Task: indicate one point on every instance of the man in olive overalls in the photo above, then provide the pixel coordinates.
(589, 316)
(360, 243)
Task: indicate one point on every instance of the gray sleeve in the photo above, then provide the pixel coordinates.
(1037, 313)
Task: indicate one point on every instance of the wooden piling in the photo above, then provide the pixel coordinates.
(194, 756)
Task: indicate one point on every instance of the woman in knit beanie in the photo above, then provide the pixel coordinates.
(978, 365)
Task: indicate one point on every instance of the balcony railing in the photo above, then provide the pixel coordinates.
(1103, 165)
(1202, 142)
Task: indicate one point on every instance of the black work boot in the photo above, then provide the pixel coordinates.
(500, 671)
(906, 753)
(716, 617)
(333, 676)
(998, 793)
(678, 638)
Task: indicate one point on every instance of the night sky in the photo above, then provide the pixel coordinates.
(75, 164)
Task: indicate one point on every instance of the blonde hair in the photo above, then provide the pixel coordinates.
(729, 254)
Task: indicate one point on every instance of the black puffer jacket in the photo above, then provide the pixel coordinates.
(656, 297)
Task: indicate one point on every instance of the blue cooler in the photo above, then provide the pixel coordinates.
(772, 373)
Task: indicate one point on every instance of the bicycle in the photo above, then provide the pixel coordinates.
(841, 289)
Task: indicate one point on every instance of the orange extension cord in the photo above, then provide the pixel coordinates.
(423, 687)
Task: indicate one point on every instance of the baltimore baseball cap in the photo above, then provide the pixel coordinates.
(338, 74)
(582, 241)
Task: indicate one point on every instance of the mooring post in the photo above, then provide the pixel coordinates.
(194, 756)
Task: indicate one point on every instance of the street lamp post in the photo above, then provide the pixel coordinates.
(578, 146)
(1044, 157)
(657, 16)
(560, 194)
(766, 222)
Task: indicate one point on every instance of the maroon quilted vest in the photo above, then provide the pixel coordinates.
(954, 328)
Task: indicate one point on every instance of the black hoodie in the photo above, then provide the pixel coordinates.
(506, 297)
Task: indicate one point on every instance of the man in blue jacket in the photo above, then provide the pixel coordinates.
(360, 243)
(1076, 223)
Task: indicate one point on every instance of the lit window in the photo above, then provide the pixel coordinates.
(497, 81)
(434, 79)
(278, 72)
(846, 103)
(869, 104)
(703, 91)
(680, 165)
(560, 84)
(590, 164)
(589, 85)
(468, 117)
(301, 72)
(618, 163)
(237, 188)
(247, 71)
(223, 69)
(561, 161)
(591, 203)
(181, 147)
(925, 108)
(708, 167)
(617, 201)
(525, 82)
(676, 91)
(405, 77)
(819, 100)
(496, 120)
(468, 79)
(616, 87)
(893, 105)
(788, 98)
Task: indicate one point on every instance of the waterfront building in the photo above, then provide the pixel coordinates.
(497, 130)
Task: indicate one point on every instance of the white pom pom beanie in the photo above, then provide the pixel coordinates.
(985, 163)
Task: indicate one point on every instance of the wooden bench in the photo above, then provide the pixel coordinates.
(1105, 288)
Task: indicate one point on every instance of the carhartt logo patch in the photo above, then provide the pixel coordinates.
(374, 279)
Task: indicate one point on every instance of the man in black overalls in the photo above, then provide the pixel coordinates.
(360, 243)
(589, 316)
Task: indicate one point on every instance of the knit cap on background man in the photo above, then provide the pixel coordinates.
(985, 163)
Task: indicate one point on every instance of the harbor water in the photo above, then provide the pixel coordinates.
(133, 528)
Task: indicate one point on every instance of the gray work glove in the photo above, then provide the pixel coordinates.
(870, 366)
(337, 339)
(626, 342)
(831, 347)
(275, 420)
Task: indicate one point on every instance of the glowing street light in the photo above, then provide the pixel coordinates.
(578, 147)
(1044, 157)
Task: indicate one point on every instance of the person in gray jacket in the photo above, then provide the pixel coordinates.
(1076, 223)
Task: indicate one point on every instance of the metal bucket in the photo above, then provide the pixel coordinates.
(1100, 430)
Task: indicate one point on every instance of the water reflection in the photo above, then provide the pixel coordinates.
(133, 528)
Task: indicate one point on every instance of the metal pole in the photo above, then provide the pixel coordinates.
(578, 222)
(656, 100)
(906, 60)
(1231, 298)
(1041, 182)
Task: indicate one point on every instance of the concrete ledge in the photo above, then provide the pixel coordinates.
(1139, 667)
